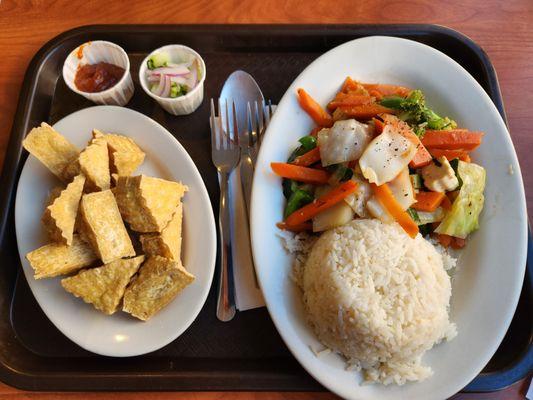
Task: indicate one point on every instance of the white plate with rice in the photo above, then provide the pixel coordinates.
(487, 281)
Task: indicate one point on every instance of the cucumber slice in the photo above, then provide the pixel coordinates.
(158, 60)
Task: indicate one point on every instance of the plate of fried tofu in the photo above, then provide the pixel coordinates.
(115, 230)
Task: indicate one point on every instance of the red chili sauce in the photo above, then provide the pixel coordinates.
(92, 78)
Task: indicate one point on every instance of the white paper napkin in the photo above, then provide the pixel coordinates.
(247, 294)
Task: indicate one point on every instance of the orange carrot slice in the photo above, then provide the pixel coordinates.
(387, 200)
(428, 201)
(349, 100)
(454, 139)
(379, 125)
(305, 226)
(387, 90)
(300, 174)
(446, 203)
(309, 158)
(458, 243)
(444, 240)
(324, 202)
(451, 154)
(365, 111)
(349, 85)
(315, 111)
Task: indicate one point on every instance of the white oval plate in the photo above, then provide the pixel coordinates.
(121, 335)
(490, 271)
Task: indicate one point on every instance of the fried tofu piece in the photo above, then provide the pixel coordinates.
(158, 283)
(167, 243)
(103, 287)
(60, 216)
(147, 203)
(50, 148)
(94, 164)
(59, 259)
(124, 154)
(104, 228)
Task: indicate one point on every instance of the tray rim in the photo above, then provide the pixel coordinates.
(491, 381)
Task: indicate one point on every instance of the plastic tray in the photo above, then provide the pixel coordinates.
(210, 355)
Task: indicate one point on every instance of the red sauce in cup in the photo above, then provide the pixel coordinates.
(93, 78)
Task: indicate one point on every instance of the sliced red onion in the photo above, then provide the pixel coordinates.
(192, 79)
(153, 78)
(169, 71)
(160, 85)
(166, 90)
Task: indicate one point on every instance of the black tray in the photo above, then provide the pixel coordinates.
(246, 353)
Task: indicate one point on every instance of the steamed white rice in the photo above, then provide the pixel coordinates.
(376, 296)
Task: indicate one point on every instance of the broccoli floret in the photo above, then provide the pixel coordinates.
(414, 111)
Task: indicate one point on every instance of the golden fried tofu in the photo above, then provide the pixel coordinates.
(147, 203)
(103, 287)
(104, 228)
(124, 154)
(60, 259)
(158, 283)
(60, 216)
(167, 243)
(94, 163)
(50, 148)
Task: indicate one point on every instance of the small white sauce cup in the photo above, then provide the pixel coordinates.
(93, 53)
(182, 105)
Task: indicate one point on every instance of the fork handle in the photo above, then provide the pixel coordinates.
(226, 299)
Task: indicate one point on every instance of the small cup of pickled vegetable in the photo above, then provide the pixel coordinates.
(174, 76)
(100, 72)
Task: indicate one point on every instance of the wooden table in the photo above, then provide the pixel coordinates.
(503, 28)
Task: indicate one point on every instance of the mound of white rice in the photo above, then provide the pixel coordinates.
(379, 298)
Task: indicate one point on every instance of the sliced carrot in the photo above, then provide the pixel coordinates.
(305, 226)
(444, 240)
(349, 85)
(348, 100)
(454, 139)
(387, 90)
(376, 94)
(314, 131)
(422, 156)
(446, 203)
(365, 111)
(387, 200)
(451, 154)
(324, 202)
(379, 125)
(300, 174)
(428, 201)
(458, 243)
(315, 111)
(309, 158)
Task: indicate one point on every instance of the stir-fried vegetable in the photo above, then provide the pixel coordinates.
(344, 141)
(402, 189)
(297, 200)
(428, 201)
(386, 156)
(300, 174)
(337, 215)
(414, 111)
(309, 158)
(324, 202)
(386, 198)
(362, 112)
(452, 139)
(315, 111)
(463, 218)
(451, 154)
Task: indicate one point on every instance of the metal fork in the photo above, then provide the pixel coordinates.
(258, 120)
(225, 154)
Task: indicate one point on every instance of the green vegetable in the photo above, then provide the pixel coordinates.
(298, 199)
(413, 214)
(307, 143)
(414, 111)
(158, 60)
(463, 218)
(289, 186)
(455, 165)
(425, 229)
(416, 181)
(177, 90)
